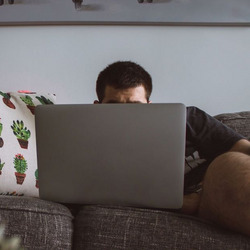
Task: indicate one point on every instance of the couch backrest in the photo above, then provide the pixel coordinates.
(239, 121)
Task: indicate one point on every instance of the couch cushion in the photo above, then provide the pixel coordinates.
(18, 161)
(239, 121)
(39, 224)
(99, 227)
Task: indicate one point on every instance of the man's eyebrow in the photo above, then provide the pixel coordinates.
(114, 101)
(135, 102)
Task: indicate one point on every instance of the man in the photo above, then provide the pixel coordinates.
(218, 189)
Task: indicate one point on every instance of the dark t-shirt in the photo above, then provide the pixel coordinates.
(206, 138)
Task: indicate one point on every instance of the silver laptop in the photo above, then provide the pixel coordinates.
(114, 154)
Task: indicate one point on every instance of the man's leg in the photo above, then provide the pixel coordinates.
(225, 198)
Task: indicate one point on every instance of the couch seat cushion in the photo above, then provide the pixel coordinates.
(99, 227)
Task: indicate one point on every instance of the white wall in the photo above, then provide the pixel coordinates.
(203, 66)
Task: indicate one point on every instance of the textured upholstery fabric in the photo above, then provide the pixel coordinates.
(239, 121)
(98, 227)
(39, 224)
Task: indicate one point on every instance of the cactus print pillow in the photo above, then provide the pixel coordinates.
(18, 162)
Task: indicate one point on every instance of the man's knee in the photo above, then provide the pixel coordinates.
(228, 176)
(227, 168)
(226, 191)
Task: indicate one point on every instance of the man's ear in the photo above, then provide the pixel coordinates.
(96, 102)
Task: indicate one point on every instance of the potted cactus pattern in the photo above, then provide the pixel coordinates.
(29, 102)
(22, 133)
(20, 164)
(36, 175)
(6, 100)
(1, 166)
(1, 139)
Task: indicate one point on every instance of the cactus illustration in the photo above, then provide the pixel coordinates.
(36, 175)
(6, 100)
(1, 166)
(21, 132)
(44, 100)
(1, 139)
(20, 164)
(29, 102)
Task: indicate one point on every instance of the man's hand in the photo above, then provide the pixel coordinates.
(191, 203)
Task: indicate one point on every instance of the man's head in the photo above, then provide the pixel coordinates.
(123, 82)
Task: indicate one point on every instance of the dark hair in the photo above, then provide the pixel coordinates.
(123, 75)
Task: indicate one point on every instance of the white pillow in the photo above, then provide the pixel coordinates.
(18, 160)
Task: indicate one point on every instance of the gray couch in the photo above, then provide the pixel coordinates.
(46, 225)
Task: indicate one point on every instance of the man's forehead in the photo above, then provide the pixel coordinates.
(135, 94)
(110, 88)
(139, 89)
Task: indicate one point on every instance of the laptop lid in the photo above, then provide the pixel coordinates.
(131, 155)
